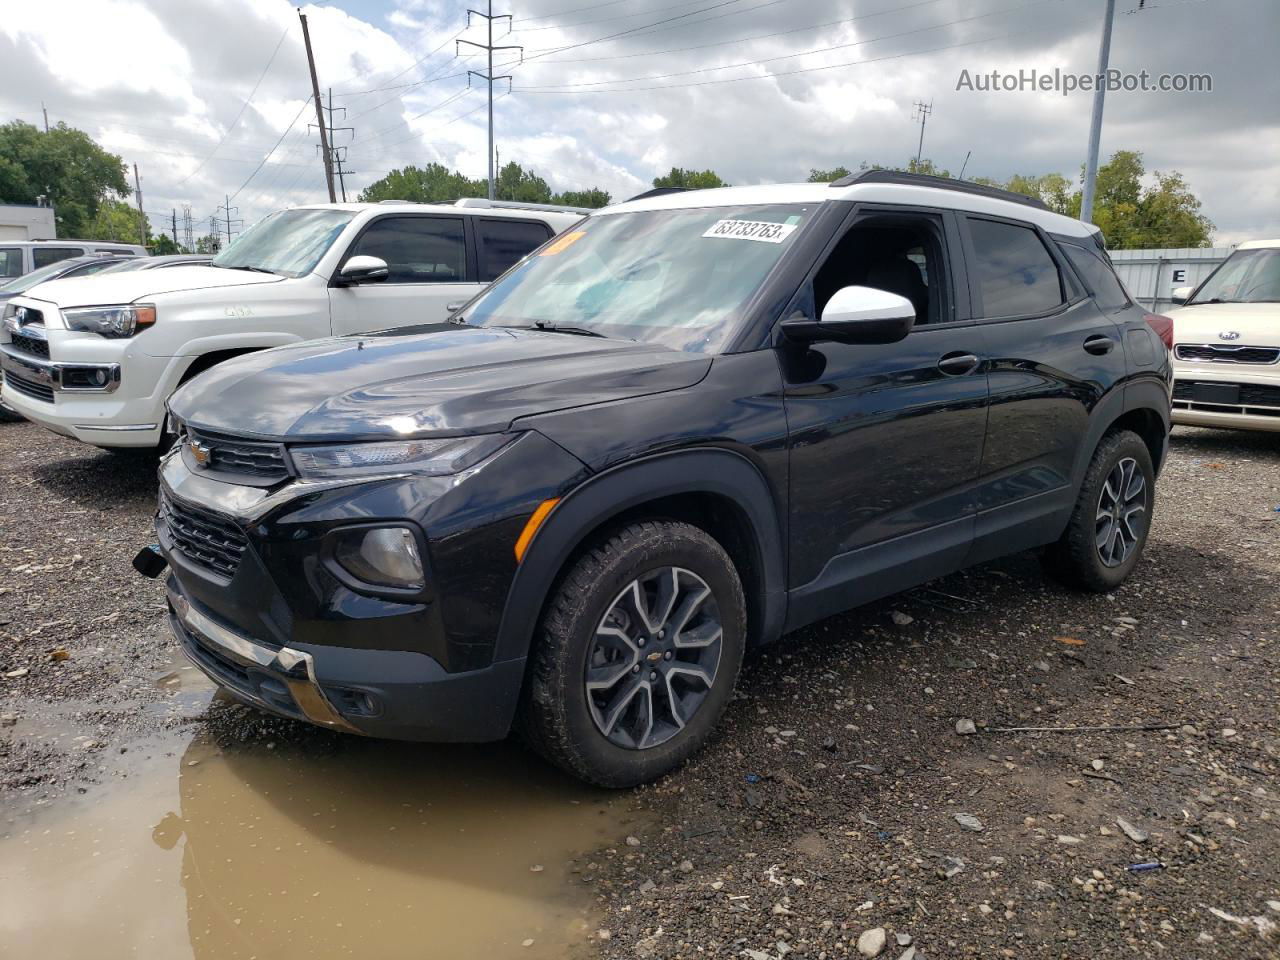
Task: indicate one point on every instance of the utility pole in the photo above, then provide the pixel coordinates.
(1095, 122)
(142, 217)
(315, 95)
(922, 114)
(175, 226)
(489, 17)
(45, 111)
(338, 157)
(227, 209)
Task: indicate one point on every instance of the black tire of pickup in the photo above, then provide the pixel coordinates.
(555, 718)
(1076, 559)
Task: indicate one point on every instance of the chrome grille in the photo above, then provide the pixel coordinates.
(28, 388)
(30, 345)
(1215, 353)
(204, 538)
(247, 458)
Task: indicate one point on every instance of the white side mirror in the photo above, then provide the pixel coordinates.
(363, 269)
(857, 315)
(1182, 294)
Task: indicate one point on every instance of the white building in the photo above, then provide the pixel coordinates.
(20, 221)
(1152, 275)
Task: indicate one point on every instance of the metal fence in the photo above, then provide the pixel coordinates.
(1150, 276)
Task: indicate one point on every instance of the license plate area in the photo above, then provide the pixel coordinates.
(1225, 393)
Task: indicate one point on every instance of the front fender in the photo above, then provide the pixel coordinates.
(717, 472)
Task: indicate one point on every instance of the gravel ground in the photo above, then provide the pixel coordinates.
(839, 802)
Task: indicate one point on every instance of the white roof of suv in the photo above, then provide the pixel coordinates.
(903, 189)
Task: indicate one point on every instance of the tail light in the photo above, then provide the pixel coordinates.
(1163, 326)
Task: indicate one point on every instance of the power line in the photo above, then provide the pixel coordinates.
(488, 76)
(273, 149)
(243, 107)
(561, 13)
(622, 16)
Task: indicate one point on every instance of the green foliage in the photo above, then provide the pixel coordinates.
(690, 179)
(115, 220)
(66, 167)
(436, 183)
(209, 243)
(827, 176)
(162, 245)
(593, 198)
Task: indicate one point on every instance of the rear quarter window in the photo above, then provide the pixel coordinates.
(503, 242)
(1098, 277)
(1013, 270)
(10, 262)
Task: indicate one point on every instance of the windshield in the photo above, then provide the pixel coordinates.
(1247, 276)
(289, 243)
(675, 277)
(39, 275)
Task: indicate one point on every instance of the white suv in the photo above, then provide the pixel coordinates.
(97, 358)
(1226, 358)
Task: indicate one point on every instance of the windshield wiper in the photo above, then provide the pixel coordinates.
(557, 328)
(240, 266)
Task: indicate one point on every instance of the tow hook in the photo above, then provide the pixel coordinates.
(150, 562)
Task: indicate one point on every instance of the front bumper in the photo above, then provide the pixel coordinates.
(1252, 400)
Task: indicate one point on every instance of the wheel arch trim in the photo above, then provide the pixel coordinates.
(706, 471)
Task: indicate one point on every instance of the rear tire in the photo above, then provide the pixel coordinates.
(618, 691)
(1112, 517)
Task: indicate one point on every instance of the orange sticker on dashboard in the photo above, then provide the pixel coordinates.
(562, 244)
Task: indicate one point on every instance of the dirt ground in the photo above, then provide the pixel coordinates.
(839, 806)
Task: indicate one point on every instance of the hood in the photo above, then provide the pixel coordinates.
(1258, 324)
(139, 284)
(438, 379)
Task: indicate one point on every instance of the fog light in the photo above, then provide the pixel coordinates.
(385, 557)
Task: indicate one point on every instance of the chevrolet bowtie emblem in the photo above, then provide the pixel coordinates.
(200, 452)
(655, 656)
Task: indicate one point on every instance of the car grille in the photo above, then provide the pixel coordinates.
(246, 458)
(1219, 354)
(28, 388)
(204, 538)
(1256, 399)
(30, 345)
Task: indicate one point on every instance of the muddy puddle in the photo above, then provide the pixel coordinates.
(341, 847)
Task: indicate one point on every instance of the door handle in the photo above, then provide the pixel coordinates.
(1099, 344)
(958, 364)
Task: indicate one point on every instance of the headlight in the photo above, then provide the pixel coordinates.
(438, 457)
(385, 557)
(123, 320)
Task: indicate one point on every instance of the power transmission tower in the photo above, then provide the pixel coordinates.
(187, 229)
(227, 209)
(315, 95)
(214, 242)
(336, 157)
(142, 217)
(1095, 121)
(489, 17)
(922, 114)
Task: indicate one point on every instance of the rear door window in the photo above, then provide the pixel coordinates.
(1098, 277)
(1015, 274)
(43, 256)
(417, 249)
(11, 262)
(504, 242)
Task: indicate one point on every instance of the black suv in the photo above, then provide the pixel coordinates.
(694, 422)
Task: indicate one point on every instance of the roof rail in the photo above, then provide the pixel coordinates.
(657, 192)
(517, 205)
(943, 183)
(397, 201)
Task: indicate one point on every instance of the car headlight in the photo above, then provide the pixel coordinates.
(123, 320)
(385, 557)
(434, 457)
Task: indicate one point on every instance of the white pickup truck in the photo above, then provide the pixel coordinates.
(97, 358)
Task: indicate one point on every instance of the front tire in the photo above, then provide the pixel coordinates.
(1112, 517)
(637, 654)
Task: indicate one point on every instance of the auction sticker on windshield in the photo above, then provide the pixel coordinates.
(759, 230)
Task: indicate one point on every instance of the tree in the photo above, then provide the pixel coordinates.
(115, 220)
(65, 167)
(1163, 214)
(513, 182)
(827, 176)
(209, 243)
(434, 183)
(162, 245)
(690, 179)
(595, 197)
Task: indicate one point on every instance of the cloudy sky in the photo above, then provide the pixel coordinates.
(613, 92)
